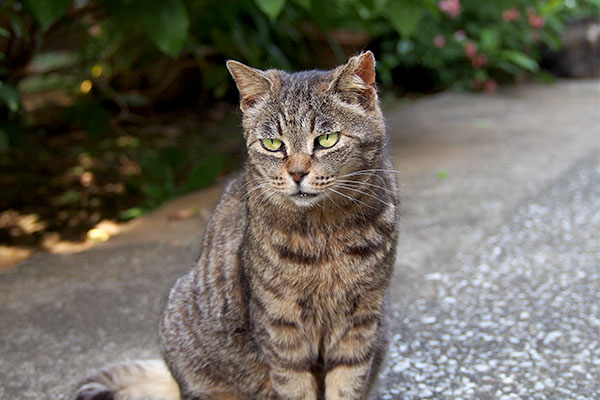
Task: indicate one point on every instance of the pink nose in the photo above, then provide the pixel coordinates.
(298, 175)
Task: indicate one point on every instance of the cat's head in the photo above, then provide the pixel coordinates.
(310, 134)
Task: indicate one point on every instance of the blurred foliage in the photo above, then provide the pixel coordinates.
(133, 53)
(478, 44)
(106, 68)
(127, 41)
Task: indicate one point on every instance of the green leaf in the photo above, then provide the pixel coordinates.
(46, 12)
(520, 60)
(306, 4)
(10, 96)
(204, 173)
(508, 67)
(433, 8)
(404, 16)
(481, 75)
(272, 8)
(545, 77)
(131, 213)
(70, 196)
(91, 115)
(595, 3)
(490, 40)
(4, 32)
(46, 61)
(166, 23)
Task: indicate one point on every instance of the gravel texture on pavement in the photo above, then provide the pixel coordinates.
(517, 316)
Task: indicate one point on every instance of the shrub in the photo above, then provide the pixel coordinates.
(133, 50)
(475, 44)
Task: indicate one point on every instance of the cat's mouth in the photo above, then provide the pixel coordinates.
(304, 199)
(304, 195)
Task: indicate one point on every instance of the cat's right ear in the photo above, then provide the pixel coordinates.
(355, 81)
(252, 83)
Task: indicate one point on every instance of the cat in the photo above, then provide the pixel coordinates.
(289, 297)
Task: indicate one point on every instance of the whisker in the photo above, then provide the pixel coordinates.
(262, 182)
(332, 200)
(346, 186)
(259, 179)
(372, 170)
(356, 201)
(363, 192)
(364, 183)
(259, 186)
(387, 140)
(359, 174)
(270, 192)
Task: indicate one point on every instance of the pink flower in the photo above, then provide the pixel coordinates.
(451, 8)
(535, 20)
(439, 41)
(490, 85)
(512, 14)
(470, 49)
(460, 35)
(479, 61)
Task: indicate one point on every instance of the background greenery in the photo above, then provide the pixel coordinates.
(110, 107)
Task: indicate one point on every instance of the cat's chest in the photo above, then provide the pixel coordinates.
(325, 250)
(319, 277)
(324, 263)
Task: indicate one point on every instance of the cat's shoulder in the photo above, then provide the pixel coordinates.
(234, 187)
(230, 210)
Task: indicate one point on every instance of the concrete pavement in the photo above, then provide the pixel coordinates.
(497, 269)
(516, 315)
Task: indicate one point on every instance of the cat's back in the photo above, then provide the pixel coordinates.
(214, 288)
(224, 234)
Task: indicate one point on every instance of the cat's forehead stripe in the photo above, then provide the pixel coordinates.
(297, 110)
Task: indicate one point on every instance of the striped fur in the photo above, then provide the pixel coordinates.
(288, 299)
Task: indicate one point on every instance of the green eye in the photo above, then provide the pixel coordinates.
(328, 140)
(272, 144)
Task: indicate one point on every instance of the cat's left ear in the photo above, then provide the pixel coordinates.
(252, 83)
(355, 81)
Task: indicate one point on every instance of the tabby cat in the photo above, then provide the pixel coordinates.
(289, 297)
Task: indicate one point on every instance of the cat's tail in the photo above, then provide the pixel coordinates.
(135, 380)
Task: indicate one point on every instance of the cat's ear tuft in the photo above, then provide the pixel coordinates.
(355, 80)
(253, 84)
(365, 68)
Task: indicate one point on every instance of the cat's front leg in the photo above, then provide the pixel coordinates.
(290, 357)
(347, 382)
(294, 385)
(352, 360)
